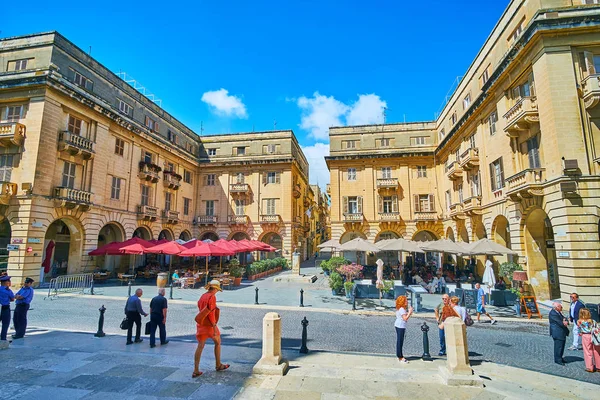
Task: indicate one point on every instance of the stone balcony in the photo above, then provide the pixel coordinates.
(469, 159)
(238, 220)
(353, 217)
(7, 191)
(171, 180)
(12, 134)
(525, 184)
(149, 172)
(297, 192)
(456, 211)
(426, 216)
(387, 183)
(271, 219)
(472, 205)
(239, 188)
(389, 216)
(454, 170)
(71, 198)
(75, 145)
(520, 116)
(206, 220)
(172, 217)
(147, 213)
(591, 91)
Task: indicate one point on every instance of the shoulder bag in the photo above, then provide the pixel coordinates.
(125, 324)
(204, 313)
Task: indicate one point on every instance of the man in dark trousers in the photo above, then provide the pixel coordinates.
(158, 318)
(23, 301)
(576, 306)
(134, 312)
(6, 296)
(559, 331)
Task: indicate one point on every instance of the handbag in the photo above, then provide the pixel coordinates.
(468, 320)
(147, 328)
(204, 313)
(125, 324)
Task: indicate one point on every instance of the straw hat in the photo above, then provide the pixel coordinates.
(214, 284)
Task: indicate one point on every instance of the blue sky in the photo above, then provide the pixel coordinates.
(235, 66)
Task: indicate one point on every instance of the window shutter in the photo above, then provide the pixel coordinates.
(345, 204)
(277, 177)
(394, 204)
(359, 202)
(492, 177)
(588, 58)
(156, 127)
(380, 203)
(146, 121)
(169, 135)
(431, 203)
(416, 203)
(501, 174)
(265, 177)
(205, 180)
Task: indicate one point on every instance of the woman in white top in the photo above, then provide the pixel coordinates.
(459, 310)
(401, 317)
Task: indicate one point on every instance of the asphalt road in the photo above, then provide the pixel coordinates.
(516, 344)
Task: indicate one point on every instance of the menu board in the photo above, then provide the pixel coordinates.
(530, 305)
(470, 299)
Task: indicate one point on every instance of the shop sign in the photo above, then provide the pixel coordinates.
(34, 240)
(12, 247)
(563, 254)
(17, 241)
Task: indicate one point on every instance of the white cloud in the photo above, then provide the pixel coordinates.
(221, 103)
(367, 110)
(319, 113)
(315, 155)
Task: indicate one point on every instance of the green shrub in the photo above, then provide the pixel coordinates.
(236, 271)
(348, 287)
(333, 263)
(335, 281)
(507, 269)
(388, 286)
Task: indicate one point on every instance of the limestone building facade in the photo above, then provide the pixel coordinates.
(514, 156)
(86, 160)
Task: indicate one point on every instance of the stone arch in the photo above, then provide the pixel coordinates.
(110, 232)
(463, 234)
(386, 234)
(348, 236)
(63, 246)
(388, 257)
(166, 234)
(209, 235)
(450, 234)
(398, 227)
(142, 232)
(478, 230)
(239, 235)
(434, 227)
(272, 239)
(185, 235)
(501, 231)
(5, 236)
(424, 235)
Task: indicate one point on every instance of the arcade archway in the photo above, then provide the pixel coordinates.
(424, 236)
(541, 255)
(240, 236)
(5, 235)
(185, 236)
(111, 232)
(272, 239)
(210, 236)
(143, 233)
(165, 234)
(353, 256)
(62, 248)
(388, 257)
(450, 234)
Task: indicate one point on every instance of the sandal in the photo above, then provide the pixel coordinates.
(196, 374)
(222, 367)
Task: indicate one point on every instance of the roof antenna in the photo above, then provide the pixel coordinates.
(274, 124)
(201, 128)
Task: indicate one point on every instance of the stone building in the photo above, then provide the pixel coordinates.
(86, 160)
(514, 155)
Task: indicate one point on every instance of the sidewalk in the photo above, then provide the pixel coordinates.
(62, 365)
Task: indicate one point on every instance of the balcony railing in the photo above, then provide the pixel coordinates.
(472, 205)
(75, 144)
(426, 215)
(453, 170)
(456, 211)
(270, 219)
(387, 183)
(12, 134)
(521, 116)
(238, 219)
(148, 173)
(147, 213)
(526, 183)
(591, 91)
(206, 220)
(389, 216)
(72, 198)
(353, 217)
(239, 188)
(469, 158)
(171, 180)
(171, 216)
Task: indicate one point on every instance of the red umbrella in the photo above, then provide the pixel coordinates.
(263, 246)
(199, 248)
(246, 245)
(171, 248)
(116, 248)
(226, 244)
(136, 249)
(100, 251)
(158, 241)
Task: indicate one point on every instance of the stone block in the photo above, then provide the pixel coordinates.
(271, 362)
(457, 371)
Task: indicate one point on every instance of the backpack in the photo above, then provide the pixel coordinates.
(468, 320)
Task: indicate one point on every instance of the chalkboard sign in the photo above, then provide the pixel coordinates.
(470, 299)
(530, 305)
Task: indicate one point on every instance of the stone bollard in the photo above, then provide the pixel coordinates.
(271, 362)
(256, 296)
(100, 332)
(457, 371)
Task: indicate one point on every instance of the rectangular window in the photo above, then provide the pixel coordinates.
(145, 195)
(460, 192)
(11, 113)
(240, 207)
(211, 179)
(385, 142)
(240, 178)
(187, 176)
(448, 200)
(351, 174)
(492, 120)
(6, 166)
(533, 153)
(151, 124)
(269, 148)
(147, 157)
(353, 205)
(472, 143)
(17, 65)
(475, 186)
(68, 178)
(387, 204)
(270, 206)
(119, 146)
(115, 190)
(349, 144)
(75, 125)
(186, 206)
(497, 174)
(442, 134)
(273, 177)
(515, 34)
(419, 140)
(209, 208)
(124, 107)
(82, 81)
(467, 101)
(170, 167)
(485, 76)
(386, 173)
(167, 201)
(424, 203)
(421, 171)
(212, 152)
(240, 151)
(453, 118)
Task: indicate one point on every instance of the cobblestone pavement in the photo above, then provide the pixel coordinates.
(518, 344)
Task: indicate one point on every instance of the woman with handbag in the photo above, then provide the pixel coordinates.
(591, 351)
(206, 326)
(400, 325)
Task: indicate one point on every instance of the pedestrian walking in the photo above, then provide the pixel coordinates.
(23, 300)
(6, 296)
(591, 352)
(576, 306)
(481, 303)
(134, 312)
(402, 315)
(461, 311)
(206, 328)
(438, 317)
(559, 331)
(158, 318)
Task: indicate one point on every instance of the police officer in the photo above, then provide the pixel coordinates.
(6, 296)
(24, 297)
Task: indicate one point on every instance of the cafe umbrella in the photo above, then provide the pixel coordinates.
(359, 245)
(201, 249)
(168, 248)
(488, 247)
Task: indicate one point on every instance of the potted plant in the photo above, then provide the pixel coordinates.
(348, 287)
(517, 305)
(388, 289)
(335, 283)
(236, 272)
(506, 270)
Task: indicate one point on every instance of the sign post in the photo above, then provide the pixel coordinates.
(530, 305)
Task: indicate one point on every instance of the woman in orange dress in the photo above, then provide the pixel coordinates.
(208, 328)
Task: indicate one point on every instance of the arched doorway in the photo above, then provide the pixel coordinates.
(185, 236)
(450, 234)
(240, 236)
(143, 233)
(388, 257)
(422, 259)
(111, 232)
(424, 236)
(5, 234)
(272, 239)
(211, 236)
(541, 255)
(501, 235)
(353, 256)
(165, 234)
(62, 248)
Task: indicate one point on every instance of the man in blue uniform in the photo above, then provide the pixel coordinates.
(6, 296)
(23, 297)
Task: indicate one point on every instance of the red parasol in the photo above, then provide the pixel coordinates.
(171, 248)
(247, 245)
(119, 248)
(199, 248)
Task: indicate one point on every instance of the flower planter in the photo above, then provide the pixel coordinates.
(237, 281)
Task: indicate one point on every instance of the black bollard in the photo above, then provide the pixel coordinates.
(129, 289)
(426, 356)
(301, 297)
(256, 296)
(92, 288)
(100, 332)
(303, 348)
(353, 303)
(171, 291)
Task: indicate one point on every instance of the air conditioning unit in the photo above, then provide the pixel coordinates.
(568, 187)
(570, 165)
